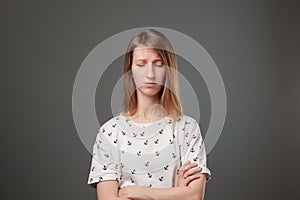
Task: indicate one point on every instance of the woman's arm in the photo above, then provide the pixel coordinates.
(194, 191)
(108, 190)
(190, 186)
(187, 173)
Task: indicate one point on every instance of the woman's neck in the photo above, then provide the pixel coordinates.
(149, 109)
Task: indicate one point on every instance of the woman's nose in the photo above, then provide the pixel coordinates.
(150, 71)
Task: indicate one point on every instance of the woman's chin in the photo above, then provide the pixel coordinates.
(149, 91)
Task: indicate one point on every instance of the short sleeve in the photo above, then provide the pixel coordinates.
(103, 166)
(194, 148)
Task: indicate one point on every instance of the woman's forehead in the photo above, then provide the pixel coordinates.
(143, 52)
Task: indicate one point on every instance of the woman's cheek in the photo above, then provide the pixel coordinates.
(161, 80)
(138, 74)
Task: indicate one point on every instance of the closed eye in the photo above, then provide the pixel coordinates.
(159, 64)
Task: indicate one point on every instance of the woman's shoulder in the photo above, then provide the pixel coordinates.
(187, 119)
(110, 123)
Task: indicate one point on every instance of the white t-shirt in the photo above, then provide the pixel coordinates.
(146, 154)
(141, 125)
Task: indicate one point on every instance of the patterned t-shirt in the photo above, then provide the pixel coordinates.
(146, 155)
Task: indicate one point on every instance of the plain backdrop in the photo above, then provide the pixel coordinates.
(254, 43)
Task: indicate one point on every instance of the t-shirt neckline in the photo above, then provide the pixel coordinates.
(129, 127)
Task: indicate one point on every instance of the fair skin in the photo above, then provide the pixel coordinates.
(147, 67)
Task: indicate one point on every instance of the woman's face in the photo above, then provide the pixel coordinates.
(148, 71)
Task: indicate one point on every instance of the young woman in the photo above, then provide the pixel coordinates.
(151, 150)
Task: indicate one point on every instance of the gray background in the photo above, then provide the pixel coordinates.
(255, 44)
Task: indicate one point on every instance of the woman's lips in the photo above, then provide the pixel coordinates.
(150, 84)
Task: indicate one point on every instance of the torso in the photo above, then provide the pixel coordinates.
(148, 154)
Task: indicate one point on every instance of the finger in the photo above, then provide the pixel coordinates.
(186, 163)
(180, 170)
(192, 171)
(191, 178)
(183, 169)
(187, 167)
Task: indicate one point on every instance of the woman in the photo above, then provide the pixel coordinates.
(138, 154)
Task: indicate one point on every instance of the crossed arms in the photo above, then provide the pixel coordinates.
(190, 186)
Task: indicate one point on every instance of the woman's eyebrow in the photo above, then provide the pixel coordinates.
(158, 59)
(141, 59)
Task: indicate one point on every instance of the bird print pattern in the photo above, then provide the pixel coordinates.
(148, 155)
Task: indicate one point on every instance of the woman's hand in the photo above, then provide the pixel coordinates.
(130, 192)
(187, 173)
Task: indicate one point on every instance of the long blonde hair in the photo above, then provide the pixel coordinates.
(169, 94)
